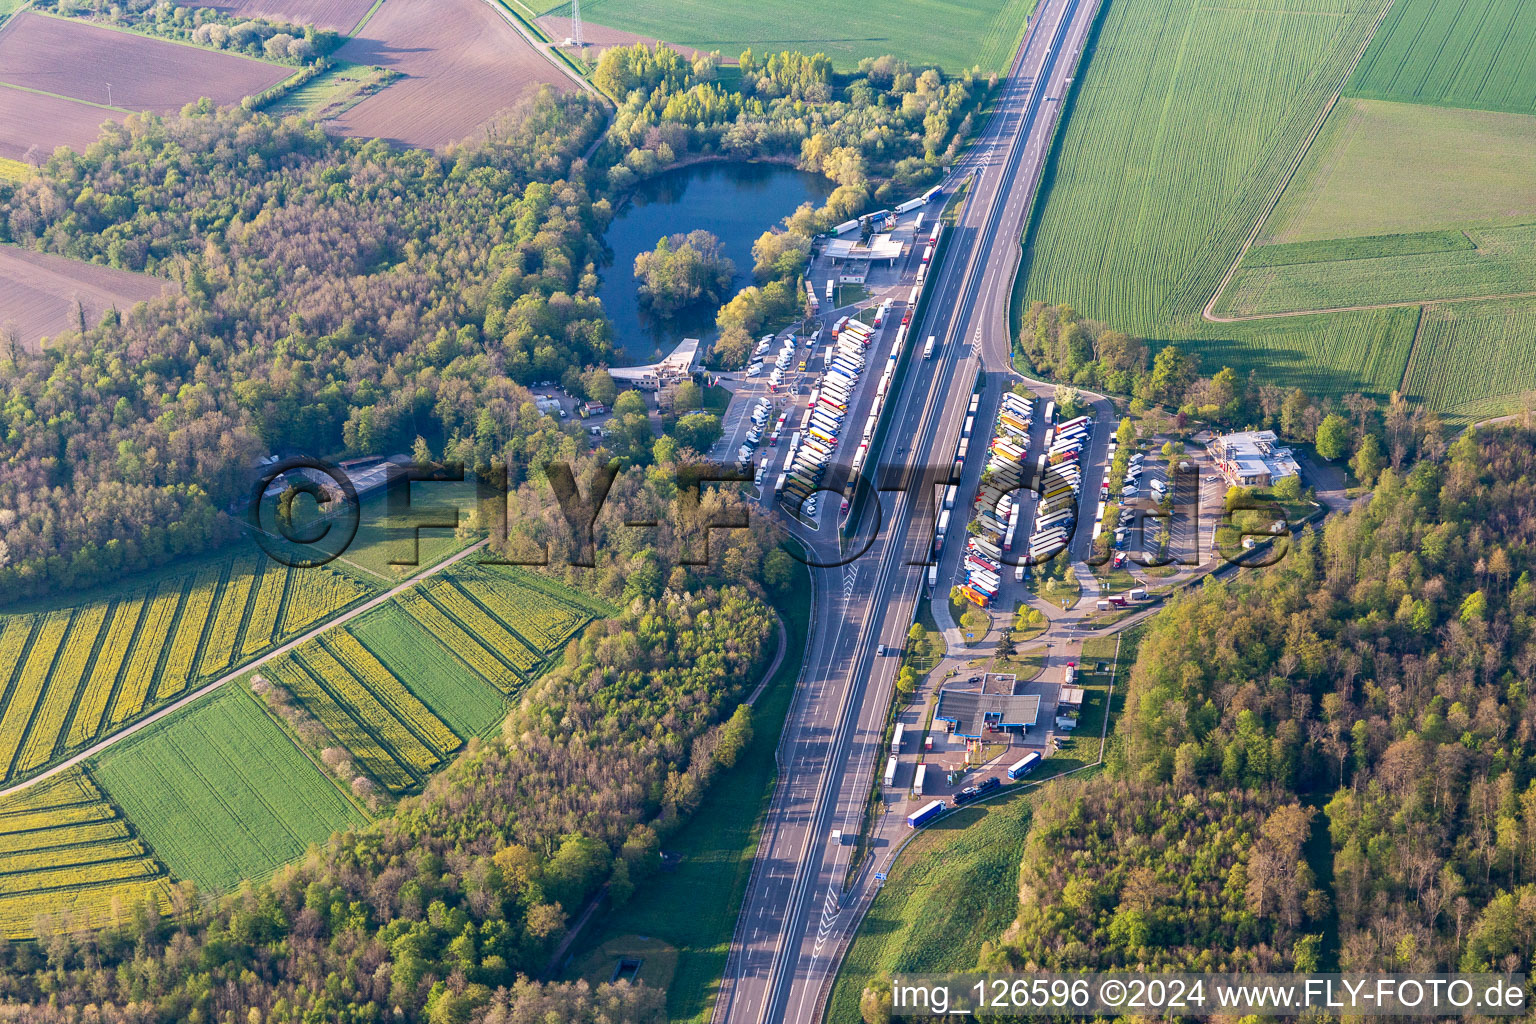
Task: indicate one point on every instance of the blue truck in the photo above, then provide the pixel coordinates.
(917, 819)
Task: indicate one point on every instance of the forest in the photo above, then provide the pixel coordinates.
(445, 907)
(313, 316)
(1328, 764)
(345, 298)
(887, 130)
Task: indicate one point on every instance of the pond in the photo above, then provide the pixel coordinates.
(735, 201)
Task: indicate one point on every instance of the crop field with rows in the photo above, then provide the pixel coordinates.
(394, 736)
(220, 792)
(503, 625)
(1328, 354)
(1463, 346)
(1453, 53)
(1497, 262)
(404, 687)
(1144, 214)
(67, 853)
(73, 675)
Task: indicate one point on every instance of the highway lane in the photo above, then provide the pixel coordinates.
(796, 918)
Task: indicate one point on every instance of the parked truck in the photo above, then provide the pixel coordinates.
(918, 819)
(1024, 766)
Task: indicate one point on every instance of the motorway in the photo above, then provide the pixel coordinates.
(797, 918)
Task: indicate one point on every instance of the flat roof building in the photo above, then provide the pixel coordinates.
(1252, 458)
(879, 247)
(995, 704)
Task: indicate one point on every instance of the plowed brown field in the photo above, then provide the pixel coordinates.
(79, 60)
(37, 292)
(340, 15)
(462, 65)
(29, 120)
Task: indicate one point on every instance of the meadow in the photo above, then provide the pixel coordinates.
(1454, 53)
(68, 855)
(981, 33)
(1380, 168)
(953, 887)
(73, 675)
(220, 792)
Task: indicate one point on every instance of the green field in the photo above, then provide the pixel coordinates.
(469, 704)
(1381, 168)
(1499, 262)
(220, 792)
(1143, 216)
(1183, 127)
(1454, 53)
(1465, 348)
(952, 888)
(952, 34)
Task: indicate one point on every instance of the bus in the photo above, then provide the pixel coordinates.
(1024, 767)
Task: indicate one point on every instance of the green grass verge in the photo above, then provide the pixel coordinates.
(693, 908)
(220, 793)
(951, 889)
(333, 92)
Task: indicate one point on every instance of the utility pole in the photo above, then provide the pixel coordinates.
(109, 94)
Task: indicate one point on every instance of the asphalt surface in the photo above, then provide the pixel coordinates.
(796, 918)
